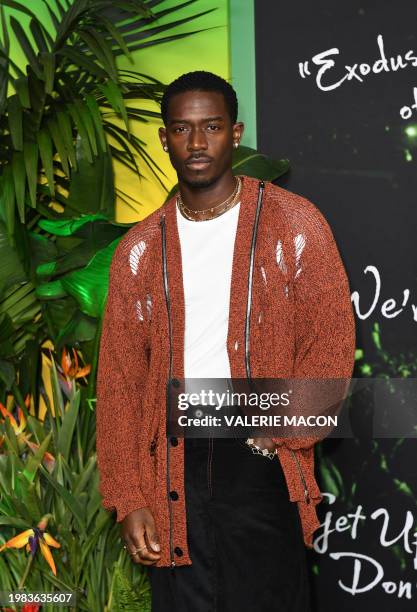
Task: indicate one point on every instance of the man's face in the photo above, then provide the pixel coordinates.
(200, 136)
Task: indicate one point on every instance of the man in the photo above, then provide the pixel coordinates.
(233, 278)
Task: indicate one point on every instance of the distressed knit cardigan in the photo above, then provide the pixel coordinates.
(301, 326)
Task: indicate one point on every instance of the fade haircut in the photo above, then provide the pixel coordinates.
(200, 80)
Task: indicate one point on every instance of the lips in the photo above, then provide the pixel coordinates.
(198, 163)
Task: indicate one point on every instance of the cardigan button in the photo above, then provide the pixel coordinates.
(175, 382)
(174, 441)
(178, 551)
(173, 495)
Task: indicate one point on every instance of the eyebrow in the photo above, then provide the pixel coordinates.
(207, 119)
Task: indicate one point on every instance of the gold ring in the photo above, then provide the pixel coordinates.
(137, 550)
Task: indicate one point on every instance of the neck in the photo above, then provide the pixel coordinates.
(204, 197)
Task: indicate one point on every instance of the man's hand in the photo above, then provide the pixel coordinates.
(139, 533)
(265, 443)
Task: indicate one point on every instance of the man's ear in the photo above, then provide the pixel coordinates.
(162, 136)
(238, 129)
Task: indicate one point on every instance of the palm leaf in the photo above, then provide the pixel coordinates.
(46, 153)
(22, 8)
(15, 117)
(30, 154)
(4, 63)
(113, 94)
(173, 9)
(7, 202)
(99, 47)
(89, 125)
(59, 144)
(18, 169)
(115, 34)
(11, 269)
(52, 15)
(26, 46)
(65, 128)
(149, 32)
(42, 38)
(98, 124)
(48, 62)
(82, 138)
(162, 40)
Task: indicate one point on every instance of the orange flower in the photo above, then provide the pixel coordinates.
(48, 459)
(17, 427)
(70, 366)
(31, 538)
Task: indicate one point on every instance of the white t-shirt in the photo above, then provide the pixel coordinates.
(207, 257)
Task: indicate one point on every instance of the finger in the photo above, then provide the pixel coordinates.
(151, 536)
(265, 443)
(139, 561)
(140, 556)
(130, 545)
(143, 548)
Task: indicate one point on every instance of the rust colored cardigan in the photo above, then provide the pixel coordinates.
(307, 331)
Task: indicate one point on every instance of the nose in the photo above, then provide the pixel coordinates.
(197, 140)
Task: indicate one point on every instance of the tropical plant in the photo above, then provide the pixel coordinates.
(63, 122)
(49, 494)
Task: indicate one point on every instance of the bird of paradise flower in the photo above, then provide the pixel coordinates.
(32, 539)
(19, 427)
(69, 371)
(70, 365)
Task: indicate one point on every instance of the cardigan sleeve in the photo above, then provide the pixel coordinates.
(323, 318)
(122, 371)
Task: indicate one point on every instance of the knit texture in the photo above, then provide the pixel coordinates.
(302, 326)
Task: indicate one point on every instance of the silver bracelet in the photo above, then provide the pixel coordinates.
(257, 450)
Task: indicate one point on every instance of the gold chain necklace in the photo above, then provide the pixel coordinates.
(226, 204)
(213, 208)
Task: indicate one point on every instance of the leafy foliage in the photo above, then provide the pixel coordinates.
(64, 118)
(47, 469)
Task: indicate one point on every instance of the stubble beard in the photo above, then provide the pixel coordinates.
(198, 183)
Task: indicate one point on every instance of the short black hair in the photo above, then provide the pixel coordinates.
(200, 80)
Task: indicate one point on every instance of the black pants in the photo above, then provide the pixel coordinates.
(244, 536)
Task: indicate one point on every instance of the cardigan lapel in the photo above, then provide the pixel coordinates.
(240, 274)
(176, 287)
